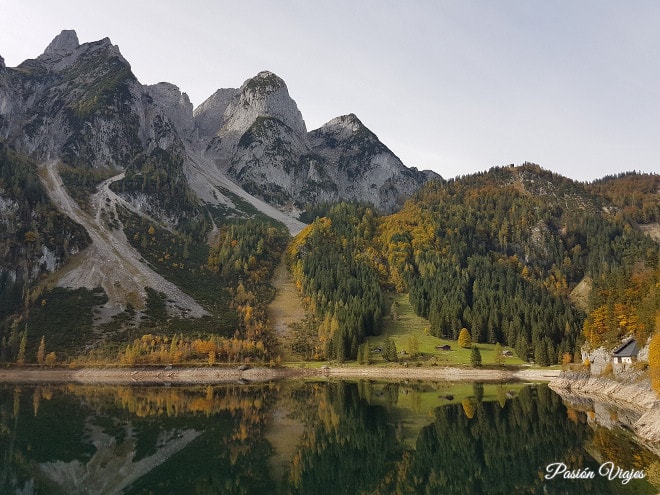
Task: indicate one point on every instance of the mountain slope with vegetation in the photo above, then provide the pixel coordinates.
(204, 203)
(175, 248)
(497, 253)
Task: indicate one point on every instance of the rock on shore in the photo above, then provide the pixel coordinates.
(635, 395)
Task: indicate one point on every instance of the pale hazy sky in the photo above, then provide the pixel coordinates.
(454, 86)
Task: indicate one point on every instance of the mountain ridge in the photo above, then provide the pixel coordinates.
(193, 207)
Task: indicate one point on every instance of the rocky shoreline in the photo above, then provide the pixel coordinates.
(160, 375)
(634, 395)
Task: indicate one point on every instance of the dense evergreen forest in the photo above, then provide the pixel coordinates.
(498, 253)
(339, 283)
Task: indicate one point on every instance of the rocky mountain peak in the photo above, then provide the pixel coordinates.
(63, 43)
(261, 98)
(264, 95)
(346, 127)
(349, 121)
(209, 115)
(2, 64)
(174, 103)
(265, 82)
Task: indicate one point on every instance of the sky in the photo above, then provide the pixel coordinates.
(452, 86)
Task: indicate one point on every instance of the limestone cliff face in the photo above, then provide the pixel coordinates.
(263, 95)
(175, 105)
(66, 103)
(209, 116)
(81, 104)
(362, 166)
(262, 142)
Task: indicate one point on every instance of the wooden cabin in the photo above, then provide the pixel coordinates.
(626, 353)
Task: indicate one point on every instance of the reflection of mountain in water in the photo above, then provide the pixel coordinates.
(305, 438)
(112, 467)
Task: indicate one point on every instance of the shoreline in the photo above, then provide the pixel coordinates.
(635, 396)
(207, 375)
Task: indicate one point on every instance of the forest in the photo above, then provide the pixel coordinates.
(498, 253)
(514, 256)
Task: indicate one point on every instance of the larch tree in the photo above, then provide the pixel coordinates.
(41, 352)
(464, 338)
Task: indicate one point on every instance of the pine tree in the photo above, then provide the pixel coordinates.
(389, 350)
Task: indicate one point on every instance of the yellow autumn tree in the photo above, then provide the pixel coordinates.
(654, 361)
(469, 407)
(464, 338)
(41, 352)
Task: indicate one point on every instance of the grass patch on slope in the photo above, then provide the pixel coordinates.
(408, 324)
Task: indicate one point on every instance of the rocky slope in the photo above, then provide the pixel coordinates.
(634, 395)
(262, 142)
(241, 152)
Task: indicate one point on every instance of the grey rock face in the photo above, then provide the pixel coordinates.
(209, 116)
(83, 105)
(73, 101)
(64, 43)
(362, 166)
(263, 144)
(174, 104)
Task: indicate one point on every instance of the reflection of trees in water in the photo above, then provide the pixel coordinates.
(495, 449)
(475, 447)
(213, 440)
(158, 440)
(347, 447)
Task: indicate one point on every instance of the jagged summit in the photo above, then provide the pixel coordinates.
(264, 95)
(348, 128)
(63, 43)
(350, 121)
(265, 82)
(82, 104)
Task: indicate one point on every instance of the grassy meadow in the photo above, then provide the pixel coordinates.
(408, 324)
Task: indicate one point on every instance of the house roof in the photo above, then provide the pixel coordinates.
(627, 349)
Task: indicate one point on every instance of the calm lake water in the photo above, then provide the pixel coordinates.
(309, 438)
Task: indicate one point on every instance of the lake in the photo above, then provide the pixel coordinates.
(312, 437)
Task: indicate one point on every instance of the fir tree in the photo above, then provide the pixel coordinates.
(389, 350)
(475, 357)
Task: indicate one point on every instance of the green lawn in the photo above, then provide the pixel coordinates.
(409, 324)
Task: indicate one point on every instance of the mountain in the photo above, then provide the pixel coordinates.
(503, 254)
(123, 191)
(262, 142)
(126, 212)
